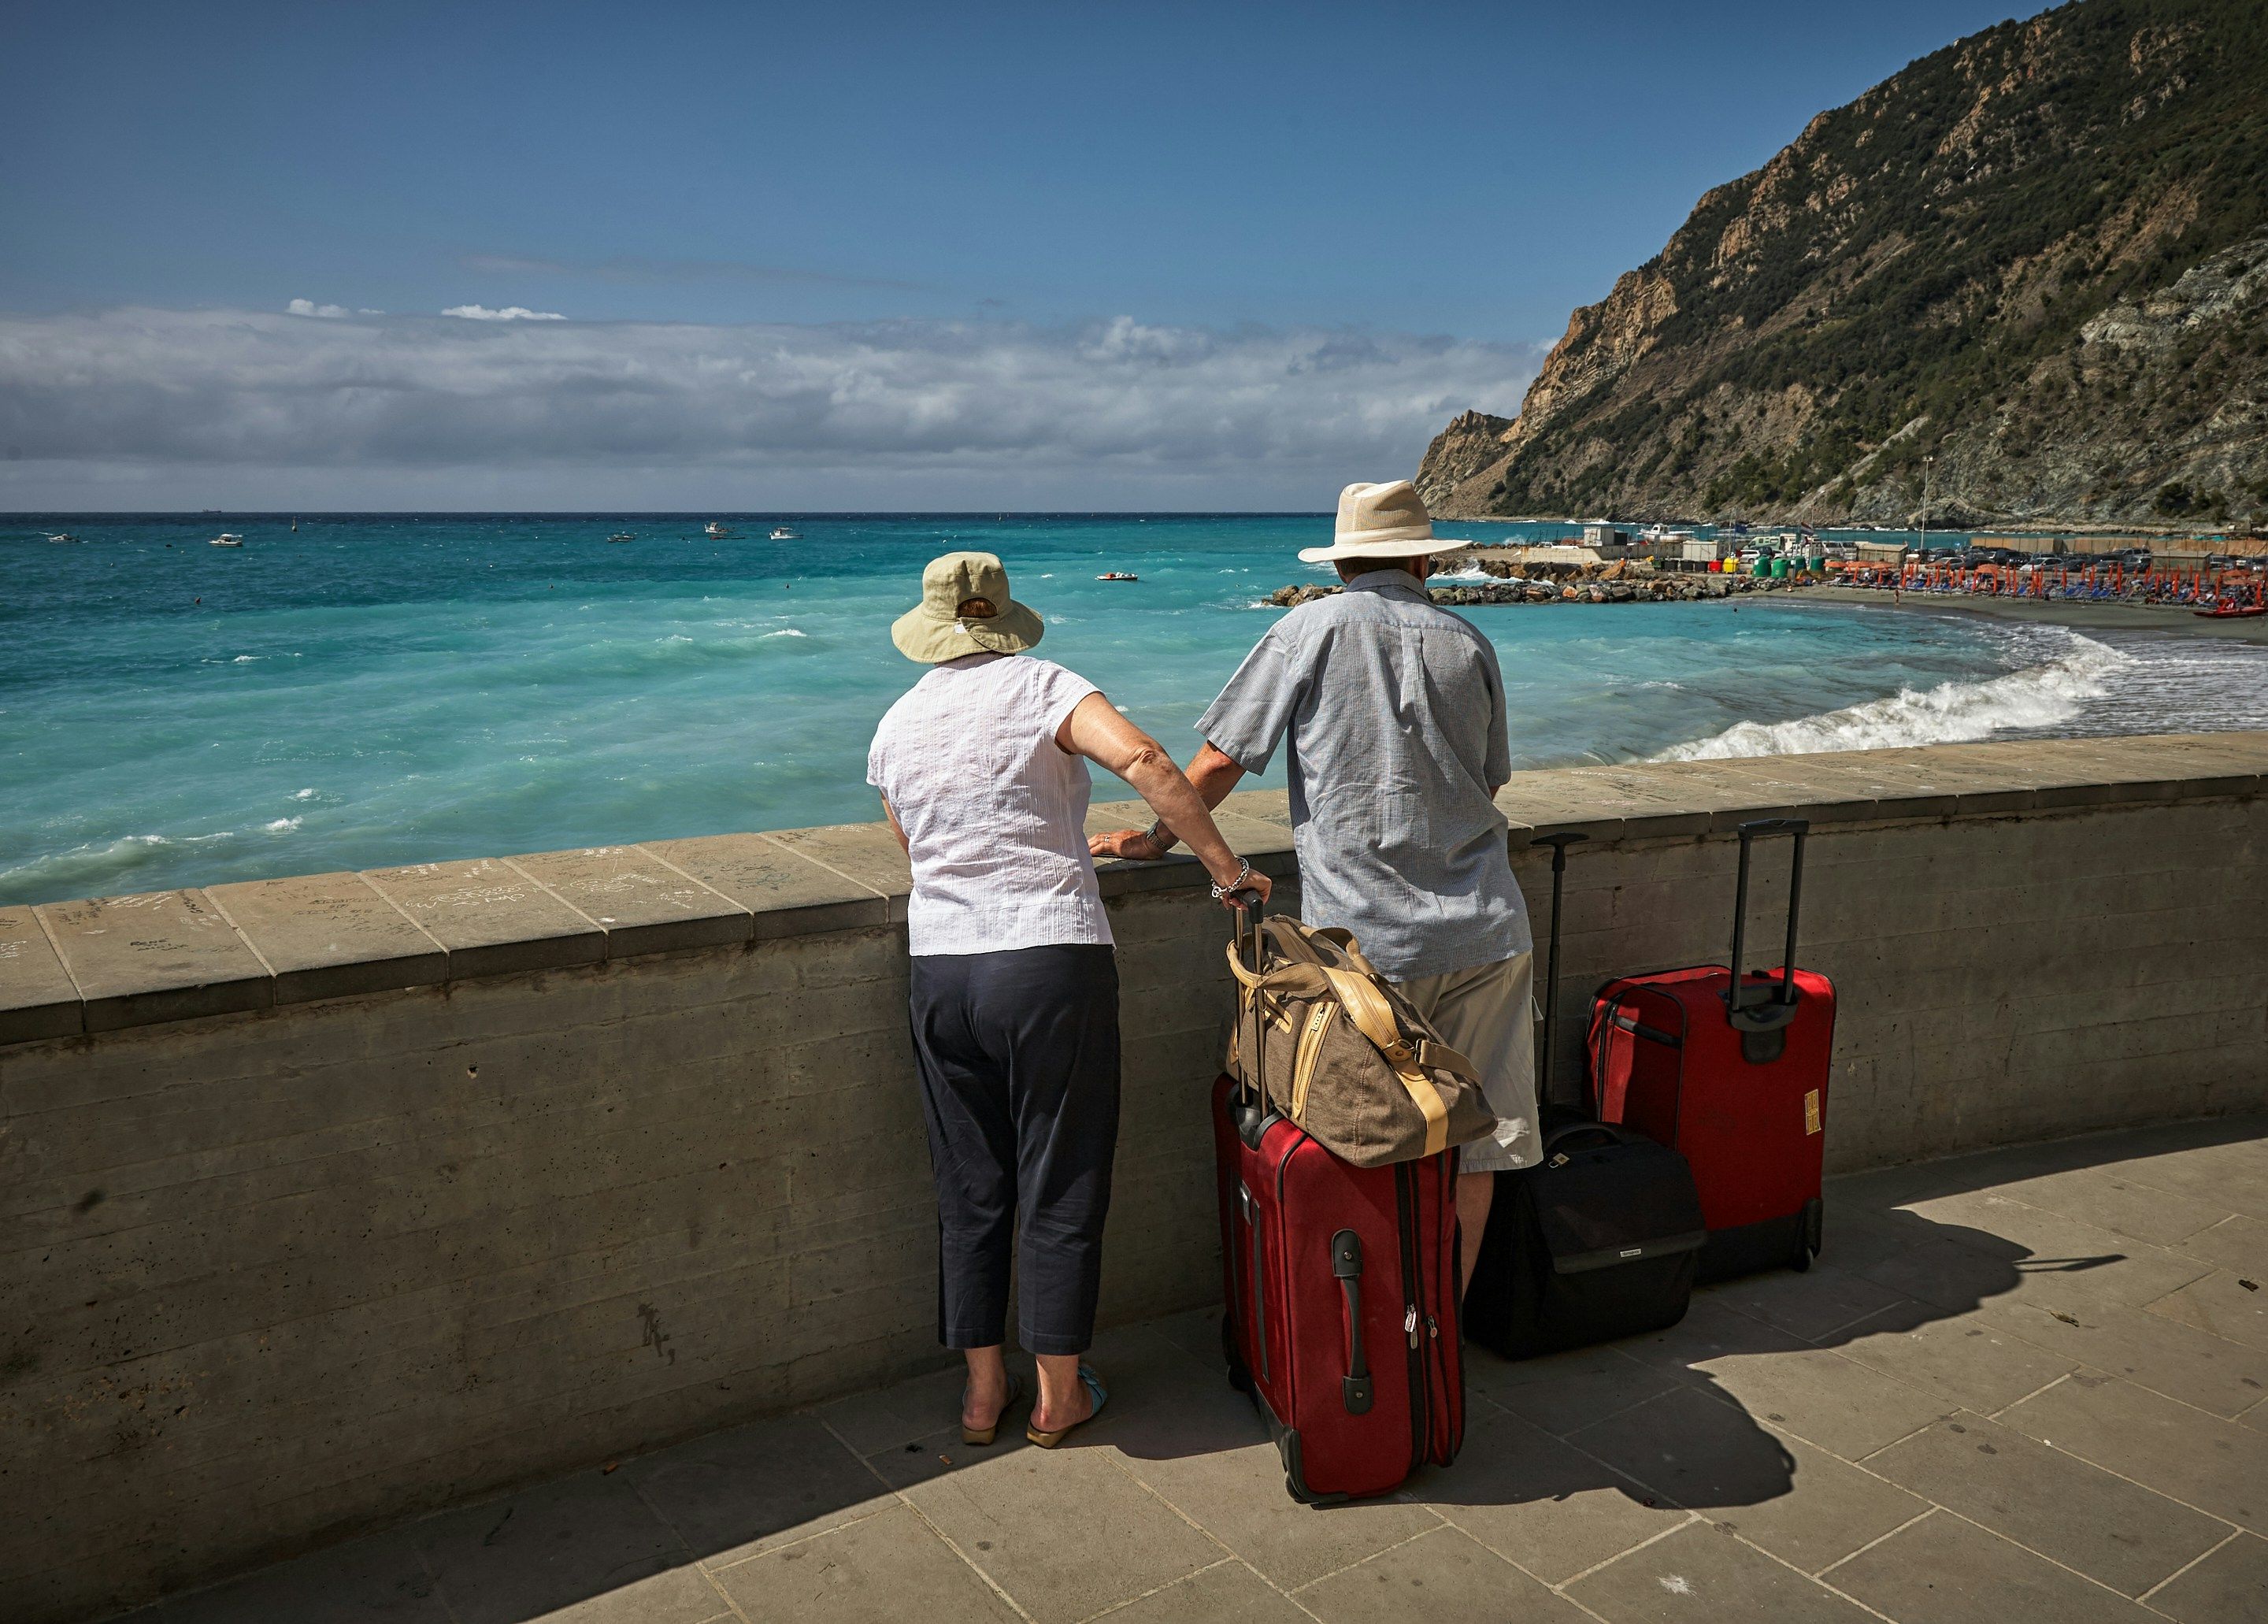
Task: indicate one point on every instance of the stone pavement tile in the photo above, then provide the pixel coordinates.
(579, 1540)
(2149, 1349)
(1801, 1504)
(888, 1417)
(901, 1465)
(2234, 1306)
(1206, 1452)
(1562, 1392)
(1538, 1501)
(2233, 1178)
(1443, 1575)
(733, 1494)
(2062, 1255)
(1197, 1332)
(2101, 1197)
(377, 1580)
(2228, 1587)
(1954, 1276)
(1856, 1238)
(1945, 1571)
(888, 1568)
(1820, 1395)
(1704, 1574)
(2200, 1459)
(1709, 1332)
(1228, 1592)
(2238, 1243)
(1064, 1531)
(1811, 1304)
(1962, 1357)
(2114, 1532)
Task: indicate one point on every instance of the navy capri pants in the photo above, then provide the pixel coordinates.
(1018, 1058)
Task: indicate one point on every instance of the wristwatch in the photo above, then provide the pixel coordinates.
(1163, 838)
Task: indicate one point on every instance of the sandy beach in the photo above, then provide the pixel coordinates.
(2079, 615)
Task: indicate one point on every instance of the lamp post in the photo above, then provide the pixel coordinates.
(1928, 466)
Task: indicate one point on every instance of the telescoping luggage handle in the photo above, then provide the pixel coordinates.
(1766, 1012)
(1558, 843)
(1251, 1107)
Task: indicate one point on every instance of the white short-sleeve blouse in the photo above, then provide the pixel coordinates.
(994, 810)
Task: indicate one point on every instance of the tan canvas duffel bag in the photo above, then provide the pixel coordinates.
(1342, 1054)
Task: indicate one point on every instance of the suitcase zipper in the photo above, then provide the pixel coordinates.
(1259, 1292)
(1421, 1408)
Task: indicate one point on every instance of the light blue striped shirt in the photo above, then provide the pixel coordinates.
(1396, 715)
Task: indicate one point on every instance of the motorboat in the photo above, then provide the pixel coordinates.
(224, 539)
(63, 540)
(781, 533)
(715, 530)
(1117, 575)
(623, 536)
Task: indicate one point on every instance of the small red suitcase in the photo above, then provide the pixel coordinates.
(1736, 1082)
(1342, 1297)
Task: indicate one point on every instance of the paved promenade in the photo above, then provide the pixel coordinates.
(2022, 1385)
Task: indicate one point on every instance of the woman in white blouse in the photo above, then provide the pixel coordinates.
(1014, 990)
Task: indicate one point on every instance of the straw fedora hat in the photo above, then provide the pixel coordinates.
(964, 609)
(1382, 521)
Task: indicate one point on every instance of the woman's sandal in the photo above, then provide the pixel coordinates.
(1049, 1440)
(984, 1434)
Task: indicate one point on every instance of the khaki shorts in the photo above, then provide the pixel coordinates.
(1486, 1014)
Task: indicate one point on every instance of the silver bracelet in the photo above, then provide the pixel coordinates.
(1158, 835)
(1243, 873)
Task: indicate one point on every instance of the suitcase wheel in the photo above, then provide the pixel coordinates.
(1239, 1377)
(1808, 1236)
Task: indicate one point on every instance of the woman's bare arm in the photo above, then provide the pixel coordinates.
(891, 812)
(1095, 730)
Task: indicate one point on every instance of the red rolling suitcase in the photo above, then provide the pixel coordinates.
(1735, 1079)
(1341, 1289)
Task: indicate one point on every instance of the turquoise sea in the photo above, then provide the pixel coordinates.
(385, 688)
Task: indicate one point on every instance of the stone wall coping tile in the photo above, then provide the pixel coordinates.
(156, 955)
(868, 853)
(38, 997)
(93, 965)
(785, 892)
(330, 935)
(493, 919)
(643, 904)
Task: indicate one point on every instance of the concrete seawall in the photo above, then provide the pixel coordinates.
(332, 1199)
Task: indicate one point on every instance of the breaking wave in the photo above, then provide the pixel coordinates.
(2041, 696)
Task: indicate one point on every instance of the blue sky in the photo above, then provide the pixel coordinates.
(903, 218)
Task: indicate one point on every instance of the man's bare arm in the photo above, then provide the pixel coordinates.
(1212, 774)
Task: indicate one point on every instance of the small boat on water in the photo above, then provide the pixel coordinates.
(1117, 575)
(64, 540)
(781, 533)
(2230, 611)
(226, 539)
(715, 530)
(623, 536)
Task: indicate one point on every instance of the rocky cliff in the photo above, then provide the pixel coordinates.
(2039, 257)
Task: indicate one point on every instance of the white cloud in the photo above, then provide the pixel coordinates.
(309, 308)
(419, 410)
(509, 313)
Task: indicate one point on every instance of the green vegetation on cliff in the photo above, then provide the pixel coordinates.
(2039, 256)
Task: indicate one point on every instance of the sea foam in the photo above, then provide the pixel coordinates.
(2041, 696)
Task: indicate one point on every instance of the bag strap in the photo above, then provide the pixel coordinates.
(1374, 1018)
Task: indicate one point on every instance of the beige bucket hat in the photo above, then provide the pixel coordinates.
(1382, 521)
(964, 609)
